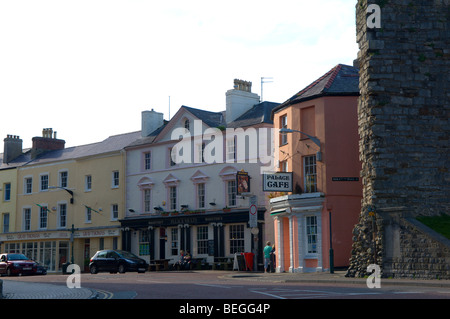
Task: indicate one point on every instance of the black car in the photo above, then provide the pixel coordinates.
(116, 261)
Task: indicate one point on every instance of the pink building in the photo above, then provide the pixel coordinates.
(320, 148)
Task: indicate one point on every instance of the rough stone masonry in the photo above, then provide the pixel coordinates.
(404, 123)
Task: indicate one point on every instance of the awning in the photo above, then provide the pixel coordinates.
(278, 211)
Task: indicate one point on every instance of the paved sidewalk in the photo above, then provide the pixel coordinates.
(30, 290)
(336, 277)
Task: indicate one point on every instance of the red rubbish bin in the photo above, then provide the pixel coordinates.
(248, 257)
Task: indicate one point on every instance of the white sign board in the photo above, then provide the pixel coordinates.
(277, 182)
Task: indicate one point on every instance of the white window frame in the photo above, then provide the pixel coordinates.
(43, 212)
(173, 197)
(41, 181)
(312, 236)
(201, 195)
(236, 229)
(114, 211)
(174, 241)
(310, 174)
(231, 193)
(88, 215)
(25, 184)
(283, 124)
(147, 200)
(115, 180)
(26, 221)
(6, 222)
(88, 183)
(231, 150)
(7, 192)
(61, 178)
(202, 238)
(147, 161)
(62, 218)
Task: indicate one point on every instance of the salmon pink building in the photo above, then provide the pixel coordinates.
(319, 145)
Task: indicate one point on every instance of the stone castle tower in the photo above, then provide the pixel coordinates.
(404, 124)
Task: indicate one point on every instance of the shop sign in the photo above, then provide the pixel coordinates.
(277, 182)
(242, 182)
(253, 212)
(345, 179)
(97, 233)
(34, 235)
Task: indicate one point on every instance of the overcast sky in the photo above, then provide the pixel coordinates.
(88, 68)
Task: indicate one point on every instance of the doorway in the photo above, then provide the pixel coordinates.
(162, 243)
(87, 254)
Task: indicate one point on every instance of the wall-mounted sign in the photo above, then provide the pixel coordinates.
(242, 182)
(345, 179)
(277, 182)
(253, 212)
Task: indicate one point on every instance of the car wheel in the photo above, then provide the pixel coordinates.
(94, 269)
(8, 272)
(122, 268)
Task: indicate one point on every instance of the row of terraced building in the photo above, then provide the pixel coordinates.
(174, 185)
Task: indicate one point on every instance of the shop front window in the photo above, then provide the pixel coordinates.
(47, 254)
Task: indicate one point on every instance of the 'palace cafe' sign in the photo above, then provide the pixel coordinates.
(277, 182)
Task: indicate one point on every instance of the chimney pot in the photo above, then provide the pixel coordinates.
(240, 99)
(12, 145)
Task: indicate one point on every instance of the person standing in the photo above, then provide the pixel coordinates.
(267, 251)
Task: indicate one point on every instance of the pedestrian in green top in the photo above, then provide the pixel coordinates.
(267, 251)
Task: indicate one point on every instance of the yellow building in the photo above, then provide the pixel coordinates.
(10, 159)
(69, 201)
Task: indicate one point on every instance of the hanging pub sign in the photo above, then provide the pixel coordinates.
(277, 182)
(242, 182)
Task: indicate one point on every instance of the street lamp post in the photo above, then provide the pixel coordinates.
(72, 233)
(331, 247)
(67, 190)
(313, 138)
(72, 230)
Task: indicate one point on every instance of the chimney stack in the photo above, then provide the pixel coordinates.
(12, 148)
(48, 142)
(240, 99)
(151, 120)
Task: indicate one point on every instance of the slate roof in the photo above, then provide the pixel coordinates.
(342, 80)
(259, 113)
(212, 119)
(19, 161)
(111, 144)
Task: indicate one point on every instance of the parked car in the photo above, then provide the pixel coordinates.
(16, 264)
(116, 261)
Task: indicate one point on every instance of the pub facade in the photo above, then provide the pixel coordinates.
(184, 185)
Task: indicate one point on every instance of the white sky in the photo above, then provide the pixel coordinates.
(87, 68)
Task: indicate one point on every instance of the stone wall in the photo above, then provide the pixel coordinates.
(403, 115)
(419, 251)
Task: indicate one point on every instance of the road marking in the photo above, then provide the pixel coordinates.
(267, 294)
(103, 294)
(216, 286)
